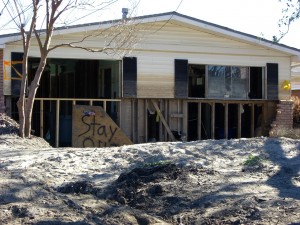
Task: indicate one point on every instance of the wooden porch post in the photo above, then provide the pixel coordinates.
(239, 128)
(252, 119)
(42, 119)
(163, 120)
(213, 112)
(57, 123)
(133, 120)
(199, 125)
(226, 121)
(166, 118)
(146, 120)
(160, 122)
(185, 119)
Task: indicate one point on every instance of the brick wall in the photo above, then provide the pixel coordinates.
(2, 103)
(296, 93)
(284, 118)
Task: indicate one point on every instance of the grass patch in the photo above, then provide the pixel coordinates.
(158, 163)
(253, 160)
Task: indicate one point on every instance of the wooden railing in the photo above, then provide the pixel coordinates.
(58, 101)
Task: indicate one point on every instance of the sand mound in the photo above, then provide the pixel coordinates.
(9, 130)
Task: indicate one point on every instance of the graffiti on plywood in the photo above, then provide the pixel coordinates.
(93, 127)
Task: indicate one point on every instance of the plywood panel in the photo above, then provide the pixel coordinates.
(92, 127)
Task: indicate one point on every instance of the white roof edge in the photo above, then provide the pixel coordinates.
(9, 38)
(239, 35)
(173, 16)
(107, 24)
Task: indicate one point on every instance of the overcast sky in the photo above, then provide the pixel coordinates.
(256, 17)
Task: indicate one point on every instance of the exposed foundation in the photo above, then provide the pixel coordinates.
(194, 119)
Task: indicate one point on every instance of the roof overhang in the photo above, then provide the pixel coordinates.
(173, 17)
(233, 34)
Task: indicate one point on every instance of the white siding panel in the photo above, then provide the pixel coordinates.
(284, 71)
(155, 77)
(161, 43)
(67, 53)
(172, 37)
(156, 70)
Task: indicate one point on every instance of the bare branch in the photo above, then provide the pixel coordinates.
(5, 5)
(291, 13)
(118, 39)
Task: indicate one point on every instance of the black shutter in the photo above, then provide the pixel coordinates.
(16, 72)
(129, 77)
(181, 78)
(272, 81)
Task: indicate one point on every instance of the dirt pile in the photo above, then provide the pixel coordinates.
(9, 130)
(242, 181)
(8, 125)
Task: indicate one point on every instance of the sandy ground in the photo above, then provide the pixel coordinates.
(240, 181)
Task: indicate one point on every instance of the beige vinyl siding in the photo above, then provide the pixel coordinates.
(156, 70)
(161, 37)
(160, 43)
(157, 52)
(174, 38)
(155, 77)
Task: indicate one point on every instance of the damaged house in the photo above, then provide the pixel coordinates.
(185, 79)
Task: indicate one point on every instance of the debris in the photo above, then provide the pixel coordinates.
(8, 125)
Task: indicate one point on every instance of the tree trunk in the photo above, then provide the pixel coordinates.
(21, 111)
(21, 101)
(31, 96)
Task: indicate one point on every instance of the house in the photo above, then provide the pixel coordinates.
(295, 79)
(185, 79)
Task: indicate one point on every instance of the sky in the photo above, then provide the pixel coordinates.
(256, 17)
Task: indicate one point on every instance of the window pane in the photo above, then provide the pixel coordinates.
(228, 82)
(240, 77)
(216, 81)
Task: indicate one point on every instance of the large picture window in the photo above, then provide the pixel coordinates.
(221, 82)
(228, 82)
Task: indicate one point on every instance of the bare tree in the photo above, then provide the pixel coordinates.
(121, 37)
(290, 13)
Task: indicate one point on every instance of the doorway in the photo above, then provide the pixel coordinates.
(196, 81)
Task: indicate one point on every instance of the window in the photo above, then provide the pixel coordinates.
(228, 82)
(240, 82)
(221, 82)
(197, 81)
